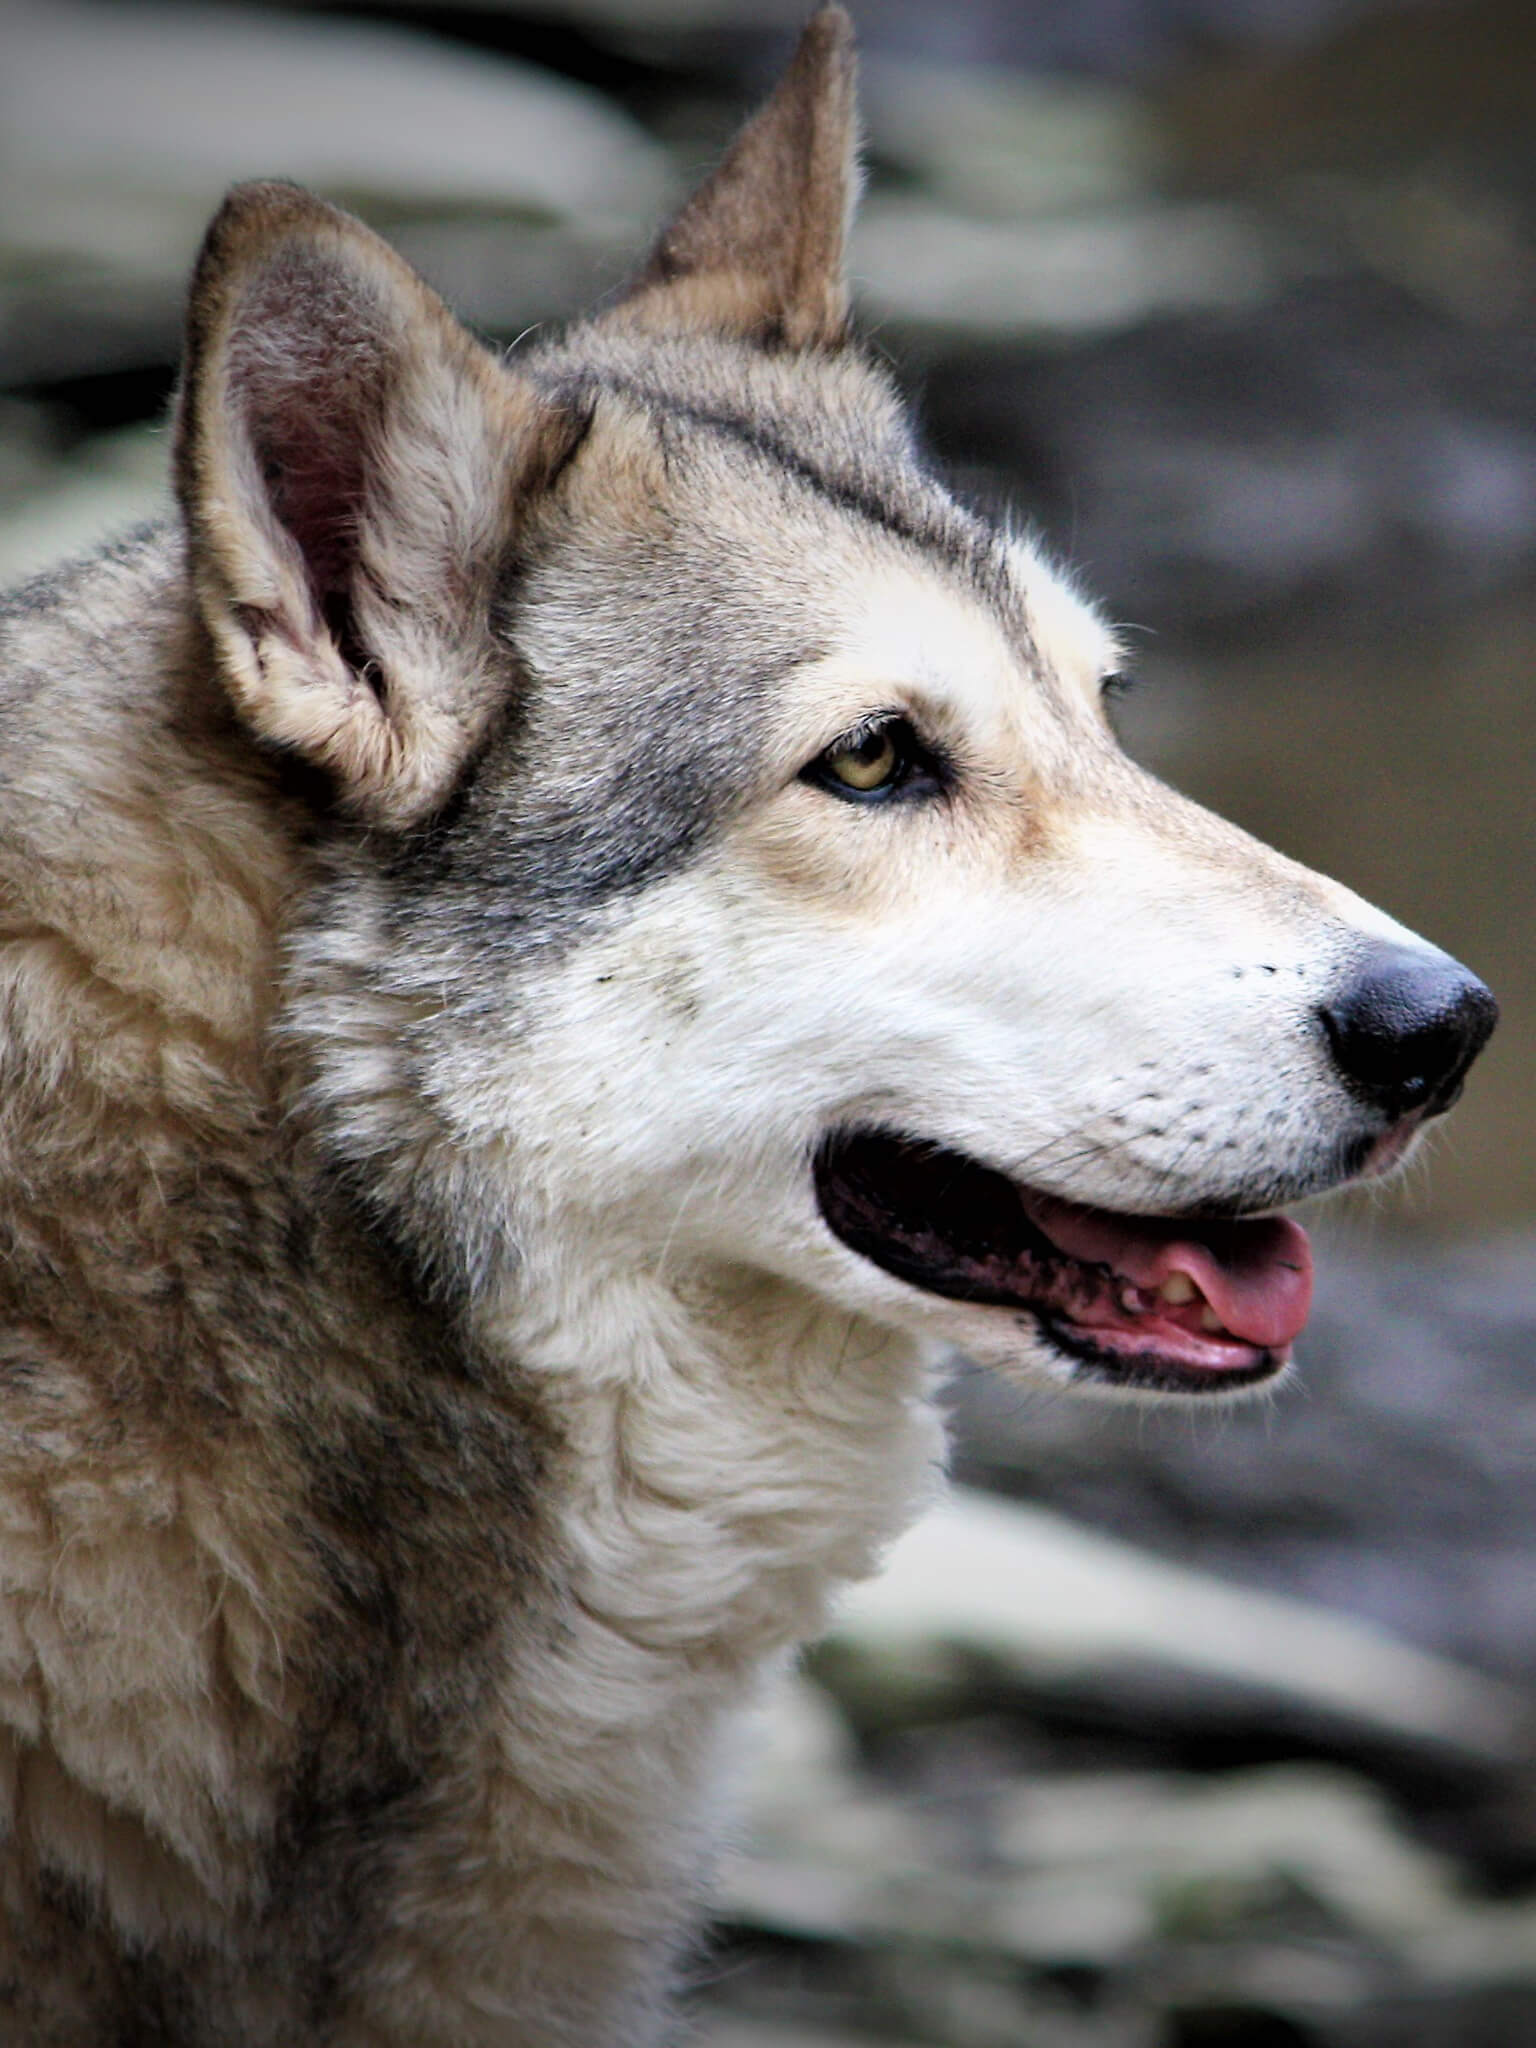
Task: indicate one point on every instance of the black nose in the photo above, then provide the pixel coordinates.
(1406, 1026)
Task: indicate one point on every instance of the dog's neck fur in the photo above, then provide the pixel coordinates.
(732, 1454)
(727, 1451)
(736, 1449)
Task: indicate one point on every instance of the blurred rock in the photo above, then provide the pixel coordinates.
(1058, 1608)
(1197, 1852)
(1345, 447)
(170, 102)
(121, 127)
(28, 452)
(513, 277)
(1084, 274)
(627, 18)
(952, 1894)
(744, 2033)
(67, 505)
(1113, 38)
(1006, 144)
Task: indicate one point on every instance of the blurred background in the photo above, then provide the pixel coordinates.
(1174, 1732)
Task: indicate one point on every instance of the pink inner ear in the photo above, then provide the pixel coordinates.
(309, 372)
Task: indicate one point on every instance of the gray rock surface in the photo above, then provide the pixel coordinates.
(957, 1892)
(1059, 1609)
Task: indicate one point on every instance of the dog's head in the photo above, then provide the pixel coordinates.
(732, 865)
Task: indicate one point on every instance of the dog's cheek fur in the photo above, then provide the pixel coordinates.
(652, 673)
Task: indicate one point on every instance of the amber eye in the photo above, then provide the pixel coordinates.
(878, 758)
(869, 760)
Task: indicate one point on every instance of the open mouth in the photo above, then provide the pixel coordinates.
(1181, 1304)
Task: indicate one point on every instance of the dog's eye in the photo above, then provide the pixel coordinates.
(876, 759)
(865, 762)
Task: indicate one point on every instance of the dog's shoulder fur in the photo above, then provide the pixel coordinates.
(364, 1655)
(264, 1518)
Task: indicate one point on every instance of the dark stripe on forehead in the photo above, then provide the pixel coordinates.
(927, 519)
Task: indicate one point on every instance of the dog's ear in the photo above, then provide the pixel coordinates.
(760, 249)
(350, 464)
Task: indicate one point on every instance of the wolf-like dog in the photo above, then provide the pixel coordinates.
(567, 928)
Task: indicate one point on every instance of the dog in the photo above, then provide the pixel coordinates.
(570, 927)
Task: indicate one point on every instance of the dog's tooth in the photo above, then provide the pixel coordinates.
(1177, 1289)
(1210, 1322)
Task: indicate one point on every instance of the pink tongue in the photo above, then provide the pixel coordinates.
(1256, 1275)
